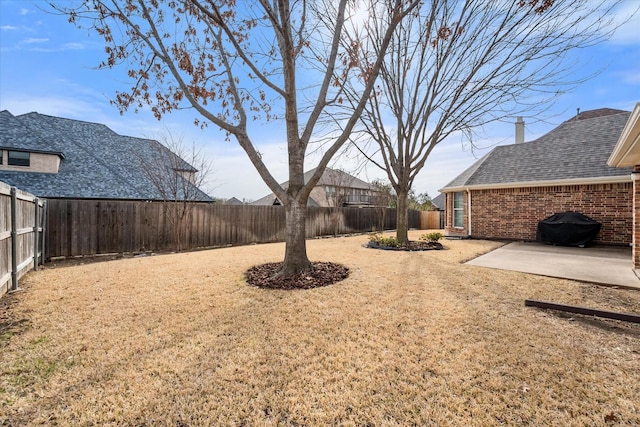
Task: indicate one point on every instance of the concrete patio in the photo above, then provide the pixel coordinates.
(607, 266)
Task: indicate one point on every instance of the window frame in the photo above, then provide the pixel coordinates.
(22, 161)
(458, 209)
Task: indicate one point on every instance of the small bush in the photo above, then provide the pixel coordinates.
(432, 237)
(383, 241)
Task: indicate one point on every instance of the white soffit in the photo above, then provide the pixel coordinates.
(627, 151)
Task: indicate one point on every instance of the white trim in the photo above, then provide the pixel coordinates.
(627, 150)
(469, 213)
(549, 183)
(454, 209)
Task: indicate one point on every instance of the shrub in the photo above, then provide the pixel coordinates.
(432, 237)
(383, 241)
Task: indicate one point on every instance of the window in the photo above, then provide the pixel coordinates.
(1, 154)
(458, 209)
(18, 158)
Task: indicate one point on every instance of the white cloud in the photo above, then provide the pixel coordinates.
(74, 46)
(8, 28)
(24, 11)
(34, 40)
(631, 76)
(628, 20)
(50, 105)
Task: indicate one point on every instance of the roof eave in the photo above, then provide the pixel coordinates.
(547, 183)
(30, 150)
(627, 151)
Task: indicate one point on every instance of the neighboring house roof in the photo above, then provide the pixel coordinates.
(574, 152)
(330, 177)
(15, 135)
(337, 178)
(271, 200)
(97, 162)
(233, 201)
(600, 112)
(438, 202)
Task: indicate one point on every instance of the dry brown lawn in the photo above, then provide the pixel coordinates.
(408, 339)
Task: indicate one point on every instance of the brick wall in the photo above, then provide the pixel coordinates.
(513, 213)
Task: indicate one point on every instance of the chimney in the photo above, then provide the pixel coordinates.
(519, 130)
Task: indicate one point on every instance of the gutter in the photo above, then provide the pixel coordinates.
(550, 183)
(30, 150)
(469, 210)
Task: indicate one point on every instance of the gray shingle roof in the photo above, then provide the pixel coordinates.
(14, 134)
(577, 149)
(338, 178)
(98, 163)
(270, 200)
(234, 201)
(438, 201)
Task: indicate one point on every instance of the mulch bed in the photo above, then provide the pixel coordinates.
(322, 274)
(413, 245)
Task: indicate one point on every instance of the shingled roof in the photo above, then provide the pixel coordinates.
(438, 202)
(576, 150)
(97, 162)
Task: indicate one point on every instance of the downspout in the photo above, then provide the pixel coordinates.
(469, 212)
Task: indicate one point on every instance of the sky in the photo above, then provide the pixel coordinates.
(49, 66)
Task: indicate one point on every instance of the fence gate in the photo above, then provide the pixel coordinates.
(431, 220)
(22, 240)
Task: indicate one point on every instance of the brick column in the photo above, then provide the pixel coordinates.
(636, 218)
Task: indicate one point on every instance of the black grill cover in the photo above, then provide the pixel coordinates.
(568, 229)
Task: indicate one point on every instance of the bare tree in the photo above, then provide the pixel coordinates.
(384, 198)
(454, 66)
(234, 62)
(178, 172)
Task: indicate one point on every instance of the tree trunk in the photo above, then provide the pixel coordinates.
(382, 213)
(402, 217)
(295, 258)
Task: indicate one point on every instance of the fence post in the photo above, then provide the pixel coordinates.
(44, 230)
(36, 232)
(14, 241)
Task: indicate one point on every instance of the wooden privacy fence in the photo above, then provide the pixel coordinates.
(89, 227)
(21, 235)
(431, 220)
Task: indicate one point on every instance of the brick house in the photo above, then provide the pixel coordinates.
(505, 193)
(335, 189)
(626, 154)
